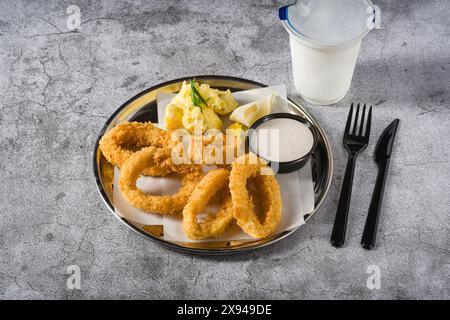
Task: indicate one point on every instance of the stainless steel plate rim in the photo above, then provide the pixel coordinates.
(216, 250)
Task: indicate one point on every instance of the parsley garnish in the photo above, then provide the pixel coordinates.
(197, 99)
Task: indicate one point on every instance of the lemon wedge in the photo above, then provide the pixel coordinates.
(245, 114)
(265, 106)
(248, 113)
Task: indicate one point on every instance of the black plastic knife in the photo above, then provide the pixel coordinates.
(382, 157)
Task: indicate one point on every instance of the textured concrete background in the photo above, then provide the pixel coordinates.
(57, 88)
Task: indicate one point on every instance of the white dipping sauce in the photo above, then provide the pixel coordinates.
(281, 140)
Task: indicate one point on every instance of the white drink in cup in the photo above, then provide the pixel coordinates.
(325, 37)
(323, 75)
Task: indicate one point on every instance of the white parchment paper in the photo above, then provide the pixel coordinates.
(297, 189)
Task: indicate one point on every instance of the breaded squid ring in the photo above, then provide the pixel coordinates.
(209, 148)
(165, 204)
(214, 225)
(246, 167)
(119, 143)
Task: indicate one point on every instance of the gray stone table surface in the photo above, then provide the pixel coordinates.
(58, 87)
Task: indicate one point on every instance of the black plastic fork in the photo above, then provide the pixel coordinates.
(354, 143)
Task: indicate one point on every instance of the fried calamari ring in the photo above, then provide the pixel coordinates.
(165, 204)
(214, 225)
(210, 148)
(244, 168)
(119, 143)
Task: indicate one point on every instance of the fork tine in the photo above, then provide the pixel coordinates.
(349, 120)
(362, 121)
(369, 120)
(355, 124)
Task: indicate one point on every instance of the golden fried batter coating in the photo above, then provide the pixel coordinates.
(165, 204)
(119, 143)
(143, 149)
(246, 167)
(214, 225)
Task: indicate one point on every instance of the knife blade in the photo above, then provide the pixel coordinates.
(382, 155)
(384, 145)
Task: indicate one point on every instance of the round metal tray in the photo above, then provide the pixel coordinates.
(142, 107)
